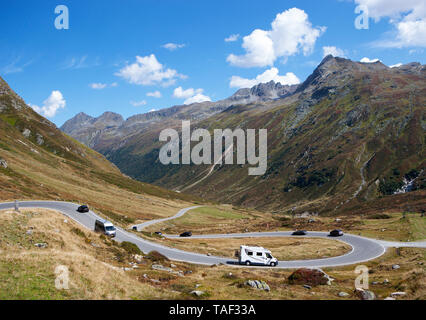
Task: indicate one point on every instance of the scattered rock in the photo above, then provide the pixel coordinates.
(3, 163)
(386, 281)
(138, 258)
(29, 232)
(338, 220)
(389, 298)
(197, 286)
(41, 245)
(166, 269)
(365, 294)
(307, 287)
(65, 221)
(256, 284)
(173, 265)
(343, 294)
(312, 277)
(396, 267)
(39, 139)
(198, 293)
(26, 133)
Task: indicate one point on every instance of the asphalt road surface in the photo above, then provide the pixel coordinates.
(363, 249)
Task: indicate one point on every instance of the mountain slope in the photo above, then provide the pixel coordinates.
(344, 140)
(38, 161)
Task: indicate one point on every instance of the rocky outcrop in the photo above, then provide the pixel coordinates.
(110, 129)
(3, 163)
(257, 284)
(365, 294)
(311, 277)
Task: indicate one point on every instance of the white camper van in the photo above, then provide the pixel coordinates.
(256, 256)
(105, 227)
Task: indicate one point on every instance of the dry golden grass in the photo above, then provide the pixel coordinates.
(281, 248)
(218, 219)
(28, 272)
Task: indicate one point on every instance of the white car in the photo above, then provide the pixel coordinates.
(256, 256)
(105, 227)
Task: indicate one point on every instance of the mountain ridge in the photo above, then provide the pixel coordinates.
(346, 127)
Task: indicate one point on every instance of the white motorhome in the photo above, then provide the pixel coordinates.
(256, 256)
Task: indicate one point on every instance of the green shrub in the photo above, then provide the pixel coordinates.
(130, 247)
(78, 232)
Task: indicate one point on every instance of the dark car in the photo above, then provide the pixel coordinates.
(186, 234)
(299, 233)
(158, 233)
(83, 208)
(336, 233)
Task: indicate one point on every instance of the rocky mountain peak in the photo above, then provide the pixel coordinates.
(110, 119)
(264, 91)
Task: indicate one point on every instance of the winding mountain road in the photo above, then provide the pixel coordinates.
(363, 249)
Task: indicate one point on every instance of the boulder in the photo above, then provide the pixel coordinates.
(311, 277)
(260, 285)
(396, 267)
(343, 294)
(365, 294)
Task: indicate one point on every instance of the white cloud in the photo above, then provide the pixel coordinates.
(191, 95)
(407, 17)
(395, 65)
(148, 71)
(291, 32)
(198, 98)
(185, 94)
(51, 105)
(334, 51)
(232, 38)
(368, 60)
(138, 103)
(271, 74)
(101, 86)
(155, 94)
(98, 86)
(173, 46)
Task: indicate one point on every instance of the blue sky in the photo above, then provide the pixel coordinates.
(113, 56)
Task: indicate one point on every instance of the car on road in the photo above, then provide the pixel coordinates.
(158, 233)
(256, 256)
(83, 208)
(336, 233)
(105, 227)
(299, 233)
(186, 234)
